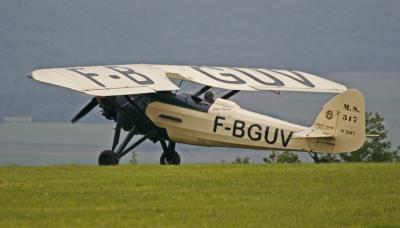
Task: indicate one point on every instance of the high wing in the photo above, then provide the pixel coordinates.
(252, 79)
(107, 80)
(145, 78)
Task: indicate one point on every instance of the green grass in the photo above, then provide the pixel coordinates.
(301, 195)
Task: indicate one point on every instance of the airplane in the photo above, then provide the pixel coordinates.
(142, 99)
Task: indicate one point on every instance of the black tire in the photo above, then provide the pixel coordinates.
(108, 157)
(170, 158)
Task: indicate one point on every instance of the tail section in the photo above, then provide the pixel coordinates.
(342, 119)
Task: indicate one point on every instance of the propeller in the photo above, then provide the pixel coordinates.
(85, 110)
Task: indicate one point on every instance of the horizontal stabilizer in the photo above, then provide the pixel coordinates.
(312, 133)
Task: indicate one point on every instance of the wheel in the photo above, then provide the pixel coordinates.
(108, 157)
(170, 158)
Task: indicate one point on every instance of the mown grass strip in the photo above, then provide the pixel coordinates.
(305, 195)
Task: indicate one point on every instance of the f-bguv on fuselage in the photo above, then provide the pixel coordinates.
(184, 119)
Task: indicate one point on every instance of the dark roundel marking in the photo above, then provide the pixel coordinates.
(329, 114)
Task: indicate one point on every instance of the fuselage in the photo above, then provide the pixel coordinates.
(189, 120)
(225, 124)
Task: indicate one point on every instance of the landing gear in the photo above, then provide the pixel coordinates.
(170, 159)
(108, 157)
(111, 157)
(316, 158)
(121, 115)
(169, 156)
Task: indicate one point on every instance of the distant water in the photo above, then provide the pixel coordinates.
(51, 144)
(41, 154)
(63, 143)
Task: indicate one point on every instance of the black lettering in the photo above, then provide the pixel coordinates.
(87, 75)
(267, 134)
(257, 134)
(228, 75)
(128, 72)
(285, 142)
(216, 122)
(276, 82)
(303, 80)
(238, 126)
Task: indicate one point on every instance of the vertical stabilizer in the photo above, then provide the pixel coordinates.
(343, 117)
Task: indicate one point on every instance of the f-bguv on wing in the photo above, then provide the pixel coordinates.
(142, 78)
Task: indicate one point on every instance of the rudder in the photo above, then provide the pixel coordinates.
(343, 117)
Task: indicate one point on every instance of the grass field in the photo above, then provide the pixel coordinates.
(301, 195)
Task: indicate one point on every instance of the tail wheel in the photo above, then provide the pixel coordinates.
(108, 157)
(170, 158)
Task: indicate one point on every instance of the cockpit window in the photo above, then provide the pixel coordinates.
(182, 100)
(209, 97)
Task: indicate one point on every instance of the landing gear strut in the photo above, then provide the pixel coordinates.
(315, 157)
(111, 157)
(169, 156)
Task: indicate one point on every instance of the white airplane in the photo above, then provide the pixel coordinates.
(140, 100)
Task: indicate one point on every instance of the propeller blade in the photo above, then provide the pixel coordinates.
(85, 110)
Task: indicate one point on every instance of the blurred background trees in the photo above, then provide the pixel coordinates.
(377, 147)
(283, 157)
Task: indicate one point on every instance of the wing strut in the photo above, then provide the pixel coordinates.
(230, 94)
(202, 90)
